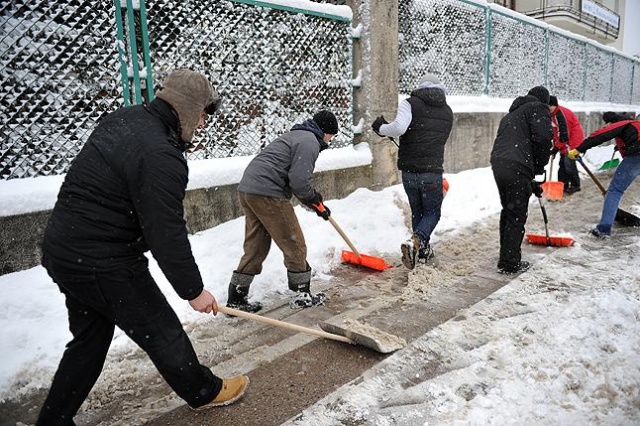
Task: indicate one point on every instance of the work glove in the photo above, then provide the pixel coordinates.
(573, 154)
(377, 123)
(536, 187)
(315, 203)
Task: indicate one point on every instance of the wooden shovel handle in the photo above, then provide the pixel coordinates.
(592, 176)
(344, 237)
(271, 321)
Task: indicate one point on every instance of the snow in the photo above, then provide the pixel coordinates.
(329, 9)
(520, 356)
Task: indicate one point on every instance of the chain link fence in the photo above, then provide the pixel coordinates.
(476, 49)
(272, 67)
(58, 77)
(59, 74)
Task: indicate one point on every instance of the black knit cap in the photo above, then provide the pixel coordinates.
(553, 101)
(541, 93)
(327, 122)
(612, 117)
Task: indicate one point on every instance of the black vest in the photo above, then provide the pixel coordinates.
(422, 145)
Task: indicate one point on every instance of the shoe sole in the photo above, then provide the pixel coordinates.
(519, 271)
(320, 299)
(240, 308)
(227, 402)
(408, 260)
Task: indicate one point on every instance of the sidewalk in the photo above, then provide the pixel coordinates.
(480, 344)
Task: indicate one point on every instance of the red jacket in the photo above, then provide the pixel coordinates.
(625, 133)
(567, 131)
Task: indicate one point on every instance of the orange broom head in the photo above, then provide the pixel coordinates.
(541, 240)
(372, 262)
(553, 190)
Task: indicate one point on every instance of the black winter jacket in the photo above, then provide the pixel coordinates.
(122, 196)
(524, 137)
(422, 145)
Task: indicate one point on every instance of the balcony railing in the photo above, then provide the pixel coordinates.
(571, 9)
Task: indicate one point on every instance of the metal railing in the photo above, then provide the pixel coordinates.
(481, 49)
(60, 66)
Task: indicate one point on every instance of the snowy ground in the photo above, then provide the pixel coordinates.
(559, 345)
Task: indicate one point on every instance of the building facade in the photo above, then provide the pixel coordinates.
(599, 20)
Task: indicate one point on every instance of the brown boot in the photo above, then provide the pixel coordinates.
(232, 390)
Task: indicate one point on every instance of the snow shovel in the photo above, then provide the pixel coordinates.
(373, 339)
(546, 240)
(611, 163)
(624, 218)
(553, 190)
(354, 257)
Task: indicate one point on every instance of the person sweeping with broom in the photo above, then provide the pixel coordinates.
(626, 133)
(520, 151)
(567, 134)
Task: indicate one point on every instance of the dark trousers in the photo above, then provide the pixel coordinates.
(515, 190)
(130, 299)
(568, 173)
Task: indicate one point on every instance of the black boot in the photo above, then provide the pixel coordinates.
(239, 293)
(425, 253)
(301, 282)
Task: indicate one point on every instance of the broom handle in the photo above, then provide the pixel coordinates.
(344, 237)
(546, 221)
(591, 175)
(289, 326)
(551, 168)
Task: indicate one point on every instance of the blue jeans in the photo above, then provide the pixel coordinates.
(627, 171)
(424, 191)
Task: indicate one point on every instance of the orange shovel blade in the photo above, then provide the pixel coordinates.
(553, 190)
(541, 240)
(372, 262)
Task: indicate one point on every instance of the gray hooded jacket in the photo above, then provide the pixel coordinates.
(285, 166)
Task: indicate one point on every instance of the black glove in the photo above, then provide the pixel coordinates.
(315, 203)
(377, 123)
(554, 151)
(536, 187)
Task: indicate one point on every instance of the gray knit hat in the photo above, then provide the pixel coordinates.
(429, 78)
(189, 93)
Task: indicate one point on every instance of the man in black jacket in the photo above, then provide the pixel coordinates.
(423, 124)
(122, 197)
(520, 151)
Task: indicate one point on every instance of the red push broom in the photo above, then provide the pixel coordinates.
(546, 240)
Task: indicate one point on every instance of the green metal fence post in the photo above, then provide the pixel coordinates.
(133, 51)
(121, 45)
(613, 62)
(584, 72)
(545, 69)
(487, 51)
(145, 50)
(633, 74)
